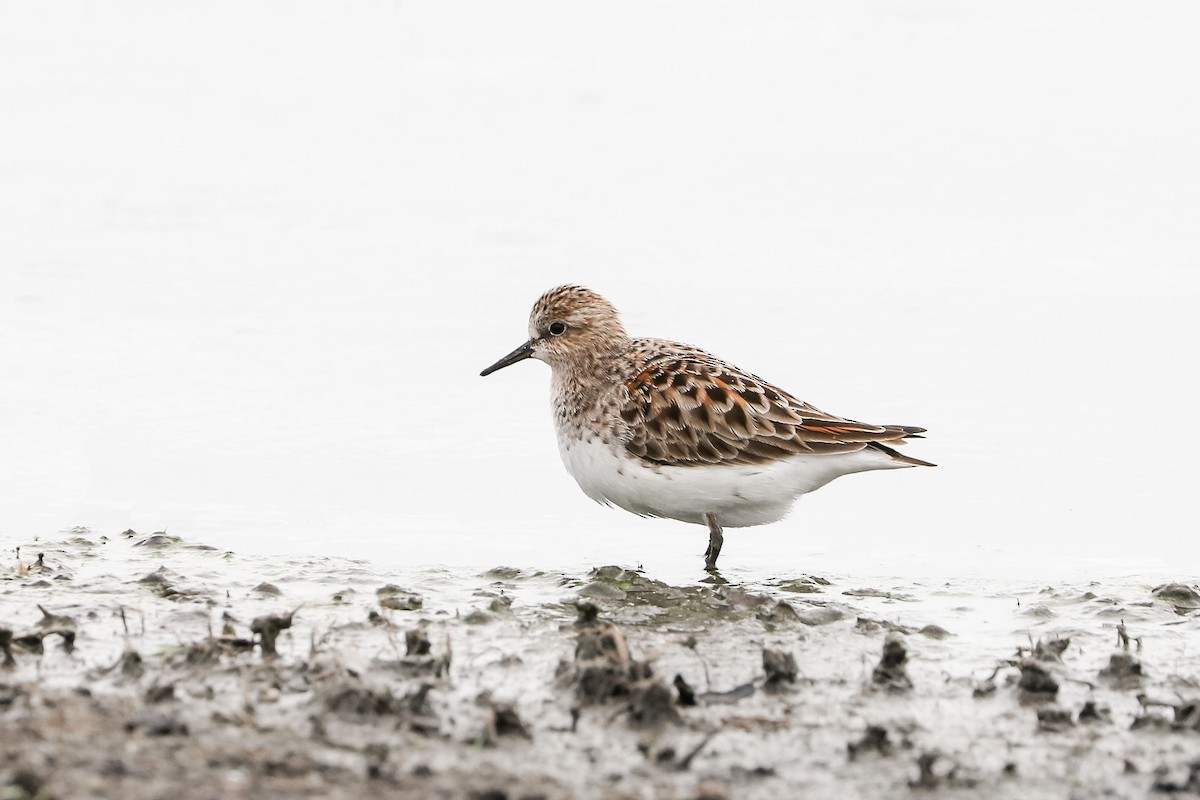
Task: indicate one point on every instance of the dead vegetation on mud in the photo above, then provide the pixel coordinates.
(145, 666)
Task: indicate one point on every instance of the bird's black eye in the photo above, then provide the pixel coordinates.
(557, 328)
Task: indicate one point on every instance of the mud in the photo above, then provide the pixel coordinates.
(147, 666)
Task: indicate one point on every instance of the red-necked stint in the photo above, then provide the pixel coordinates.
(664, 429)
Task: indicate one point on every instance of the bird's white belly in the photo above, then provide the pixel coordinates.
(739, 496)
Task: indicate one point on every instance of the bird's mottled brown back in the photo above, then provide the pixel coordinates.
(685, 407)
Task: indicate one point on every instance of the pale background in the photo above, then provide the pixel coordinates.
(253, 256)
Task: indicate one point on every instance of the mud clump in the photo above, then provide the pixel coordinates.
(687, 695)
(157, 723)
(1183, 598)
(394, 598)
(160, 693)
(1093, 712)
(1150, 721)
(268, 628)
(1050, 651)
(51, 621)
(360, 701)
(603, 671)
(874, 740)
(416, 642)
(1124, 671)
(816, 615)
(780, 668)
(130, 665)
(501, 721)
(6, 639)
(806, 585)
(1167, 783)
(159, 540)
(935, 632)
(166, 584)
(603, 668)
(419, 660)
(210, 650)
(355, 701)
(1186, 713)
(926, 778)
(34, 642)
(929, 777)
(1054, 719)
(598, 590)
(891, 673)
(869, 625)
(22, 784)
(652, 702)
(1036, 684)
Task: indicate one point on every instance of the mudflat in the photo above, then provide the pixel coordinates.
(146, 666)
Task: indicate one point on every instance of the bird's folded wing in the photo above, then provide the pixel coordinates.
(695, 410)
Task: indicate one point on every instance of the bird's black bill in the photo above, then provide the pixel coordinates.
(520, 354)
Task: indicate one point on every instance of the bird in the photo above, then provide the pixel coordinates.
(665, 429)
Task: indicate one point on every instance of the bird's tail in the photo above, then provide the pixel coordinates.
(902, 432)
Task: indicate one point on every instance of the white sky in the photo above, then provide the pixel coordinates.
(253, 256)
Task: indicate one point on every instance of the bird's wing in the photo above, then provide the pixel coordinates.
(687, 408)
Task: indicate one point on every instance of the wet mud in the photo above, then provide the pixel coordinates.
(146, 666)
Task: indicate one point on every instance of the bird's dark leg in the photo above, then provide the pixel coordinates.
(715, 539)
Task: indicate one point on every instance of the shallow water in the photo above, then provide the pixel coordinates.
(251, 272)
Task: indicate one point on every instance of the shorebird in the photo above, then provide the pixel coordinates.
(663, 429)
